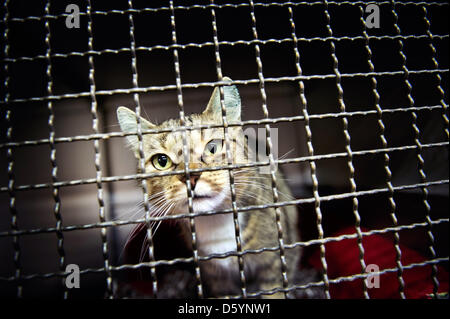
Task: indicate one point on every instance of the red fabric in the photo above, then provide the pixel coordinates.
(342, 259)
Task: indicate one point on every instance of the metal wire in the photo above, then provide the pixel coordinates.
(55, 189)
(225, 5)
(418, 152)
(328, 239)
(240, 209)
(104, 136)
(212, 84)
(7, 103)
(256, 251)
(347, 147)
(97, 160)
(221, 43)
(117, 178)
(10, 159)
(384, 143)
(269, 144)
(446, 125)
(141, 156)
(312, 163)
(187, 170)
(237, 230)
(262, 292)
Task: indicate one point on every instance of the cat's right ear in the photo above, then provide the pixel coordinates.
(232, 102)
(128, 121)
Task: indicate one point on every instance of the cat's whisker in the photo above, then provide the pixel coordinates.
(133, 212)
(165, 213)
(162, 213)
(156, 208)
(140, 212)
(158, 194)
(286, 154)
(286, 196)
(138, 208)
(262, 177)
(157, 203)
(263, 187)
(144, 248)
(245, 193)
(254, 179)
(137, 214)
(245, 170)
(154, 200)
(161, 210)
(153, 222)
(259, 178)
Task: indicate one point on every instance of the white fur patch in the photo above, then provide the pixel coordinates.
(215, 235)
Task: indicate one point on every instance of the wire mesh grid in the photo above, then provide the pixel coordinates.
(419, 85)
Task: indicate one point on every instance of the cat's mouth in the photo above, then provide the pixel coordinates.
(200, 196)
(203, 201)
(200, 193)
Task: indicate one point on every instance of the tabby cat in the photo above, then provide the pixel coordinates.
(211, 191)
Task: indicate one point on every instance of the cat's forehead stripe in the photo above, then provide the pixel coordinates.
(154, 143)
(163, 139)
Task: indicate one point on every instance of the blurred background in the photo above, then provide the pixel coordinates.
(25, 81)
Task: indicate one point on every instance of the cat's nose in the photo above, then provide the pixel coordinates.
(193, 179)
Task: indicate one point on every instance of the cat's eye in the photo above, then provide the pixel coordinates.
(161, 161)
(214, 147)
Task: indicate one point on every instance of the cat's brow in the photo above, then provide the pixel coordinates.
(163, 140)
(156, 143)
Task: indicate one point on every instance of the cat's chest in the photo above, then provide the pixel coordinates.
(215, 235)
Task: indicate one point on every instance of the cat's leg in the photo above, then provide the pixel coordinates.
(220, 277)
(263, 273)
(267, 273)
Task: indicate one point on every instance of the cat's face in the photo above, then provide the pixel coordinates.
(206, 148)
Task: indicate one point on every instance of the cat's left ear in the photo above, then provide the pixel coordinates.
(232, 102)
(128, 121)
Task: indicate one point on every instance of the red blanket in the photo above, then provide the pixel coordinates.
(342, 259)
